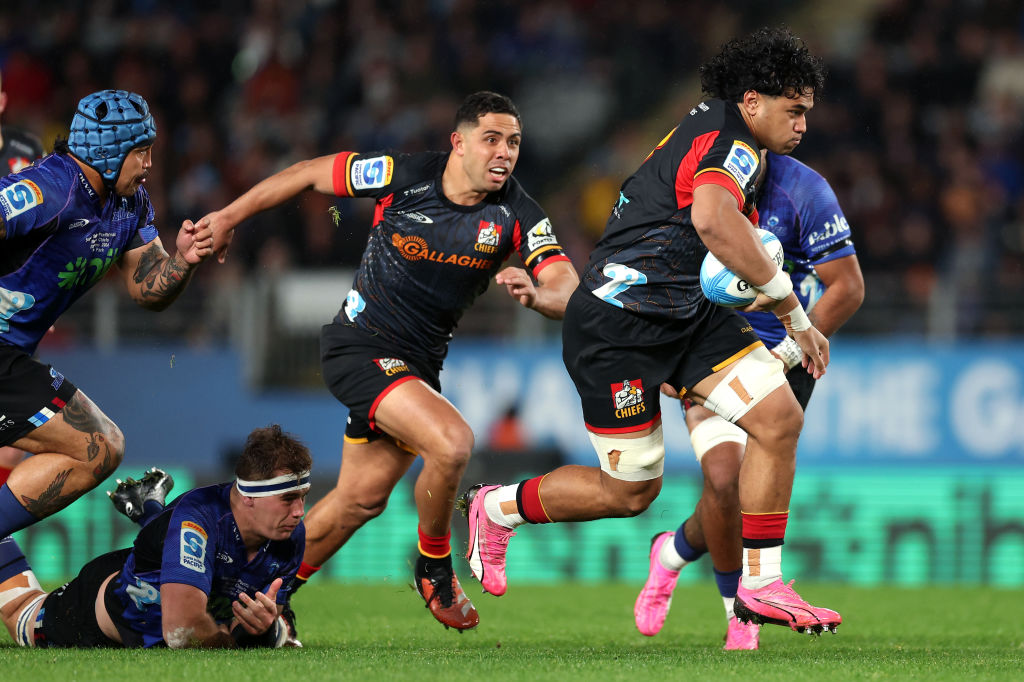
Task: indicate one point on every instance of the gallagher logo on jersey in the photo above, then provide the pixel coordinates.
(391, 366)
(372, 173)
(20, 197)
(193, 547)
(741, 163)
(488, 235)
(629, 398)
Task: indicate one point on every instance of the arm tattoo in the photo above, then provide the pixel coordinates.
(160, 277)
(51, 499)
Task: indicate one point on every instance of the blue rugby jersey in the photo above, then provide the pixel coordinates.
(58, 240)
(195, 541)
(427, 259)
(800, 208)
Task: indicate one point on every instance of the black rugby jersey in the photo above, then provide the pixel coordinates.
(427, 258)
(648, 259)
(19, 150)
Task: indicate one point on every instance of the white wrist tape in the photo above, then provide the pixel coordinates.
(795, 320)
(778, 287)
(789, 352)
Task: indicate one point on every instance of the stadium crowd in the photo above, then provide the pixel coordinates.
(919, 128)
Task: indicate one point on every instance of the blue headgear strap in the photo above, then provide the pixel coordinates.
(107, 125)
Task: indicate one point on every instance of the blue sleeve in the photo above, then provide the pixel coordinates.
(147, 231)
(189, 547)
(31, 199)
(824, 231)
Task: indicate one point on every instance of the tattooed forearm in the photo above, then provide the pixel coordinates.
(51, 499)
(160, 277)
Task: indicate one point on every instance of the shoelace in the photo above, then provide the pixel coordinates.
(495, 549)
(444, 591)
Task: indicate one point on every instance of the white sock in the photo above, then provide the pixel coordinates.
(492, 505)
(761, 566)
(669, 558)
(729, 603)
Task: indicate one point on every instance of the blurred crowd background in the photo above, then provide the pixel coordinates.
(920, 129)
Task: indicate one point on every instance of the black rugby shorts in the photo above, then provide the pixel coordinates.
(619, 359)
(31, 393)
(361, 368)
(69, 612)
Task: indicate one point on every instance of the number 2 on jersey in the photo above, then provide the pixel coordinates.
(620, 278)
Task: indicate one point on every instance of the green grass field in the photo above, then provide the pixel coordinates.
(586, 632)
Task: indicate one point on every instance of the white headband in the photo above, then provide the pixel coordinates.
(273, 486)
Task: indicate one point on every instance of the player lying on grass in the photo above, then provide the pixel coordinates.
(212, 569)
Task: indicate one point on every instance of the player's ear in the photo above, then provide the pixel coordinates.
(458, 143)
(751, 101)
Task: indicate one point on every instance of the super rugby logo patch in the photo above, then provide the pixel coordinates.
(741, 163)
(488, 235)
(372, 173)
(193, 547)
(391, 366)
(628, 398)
(20, 197)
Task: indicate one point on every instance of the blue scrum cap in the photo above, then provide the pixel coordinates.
(107, 125)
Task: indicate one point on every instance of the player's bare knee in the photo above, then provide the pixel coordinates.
(779, 429)
(452, 449)
(636, 502)
(369, 506)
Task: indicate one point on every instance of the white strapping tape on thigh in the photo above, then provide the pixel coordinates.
(714, 431)
(29, 584)
(638, 459)
(747, 382)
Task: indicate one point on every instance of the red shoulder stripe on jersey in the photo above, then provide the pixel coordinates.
(342, 166)
(378, 210)
(714, 176)
(548, 261)
(517, 237)
(687, 170)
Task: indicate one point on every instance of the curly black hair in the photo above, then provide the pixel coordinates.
(482, 103)
(771, 61)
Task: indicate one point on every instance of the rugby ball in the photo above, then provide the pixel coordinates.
(721, 286)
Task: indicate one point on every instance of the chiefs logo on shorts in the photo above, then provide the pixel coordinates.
(391, 366)
(629, 398)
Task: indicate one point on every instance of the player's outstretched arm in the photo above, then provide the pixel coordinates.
(154, 279)
(186, 623)
(317, 174)
(549, 296)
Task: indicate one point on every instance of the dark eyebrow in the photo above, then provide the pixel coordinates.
(501, 134)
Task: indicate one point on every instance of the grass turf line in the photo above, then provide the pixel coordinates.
(586, 632)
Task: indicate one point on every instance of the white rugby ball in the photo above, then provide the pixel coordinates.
(721, 286)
